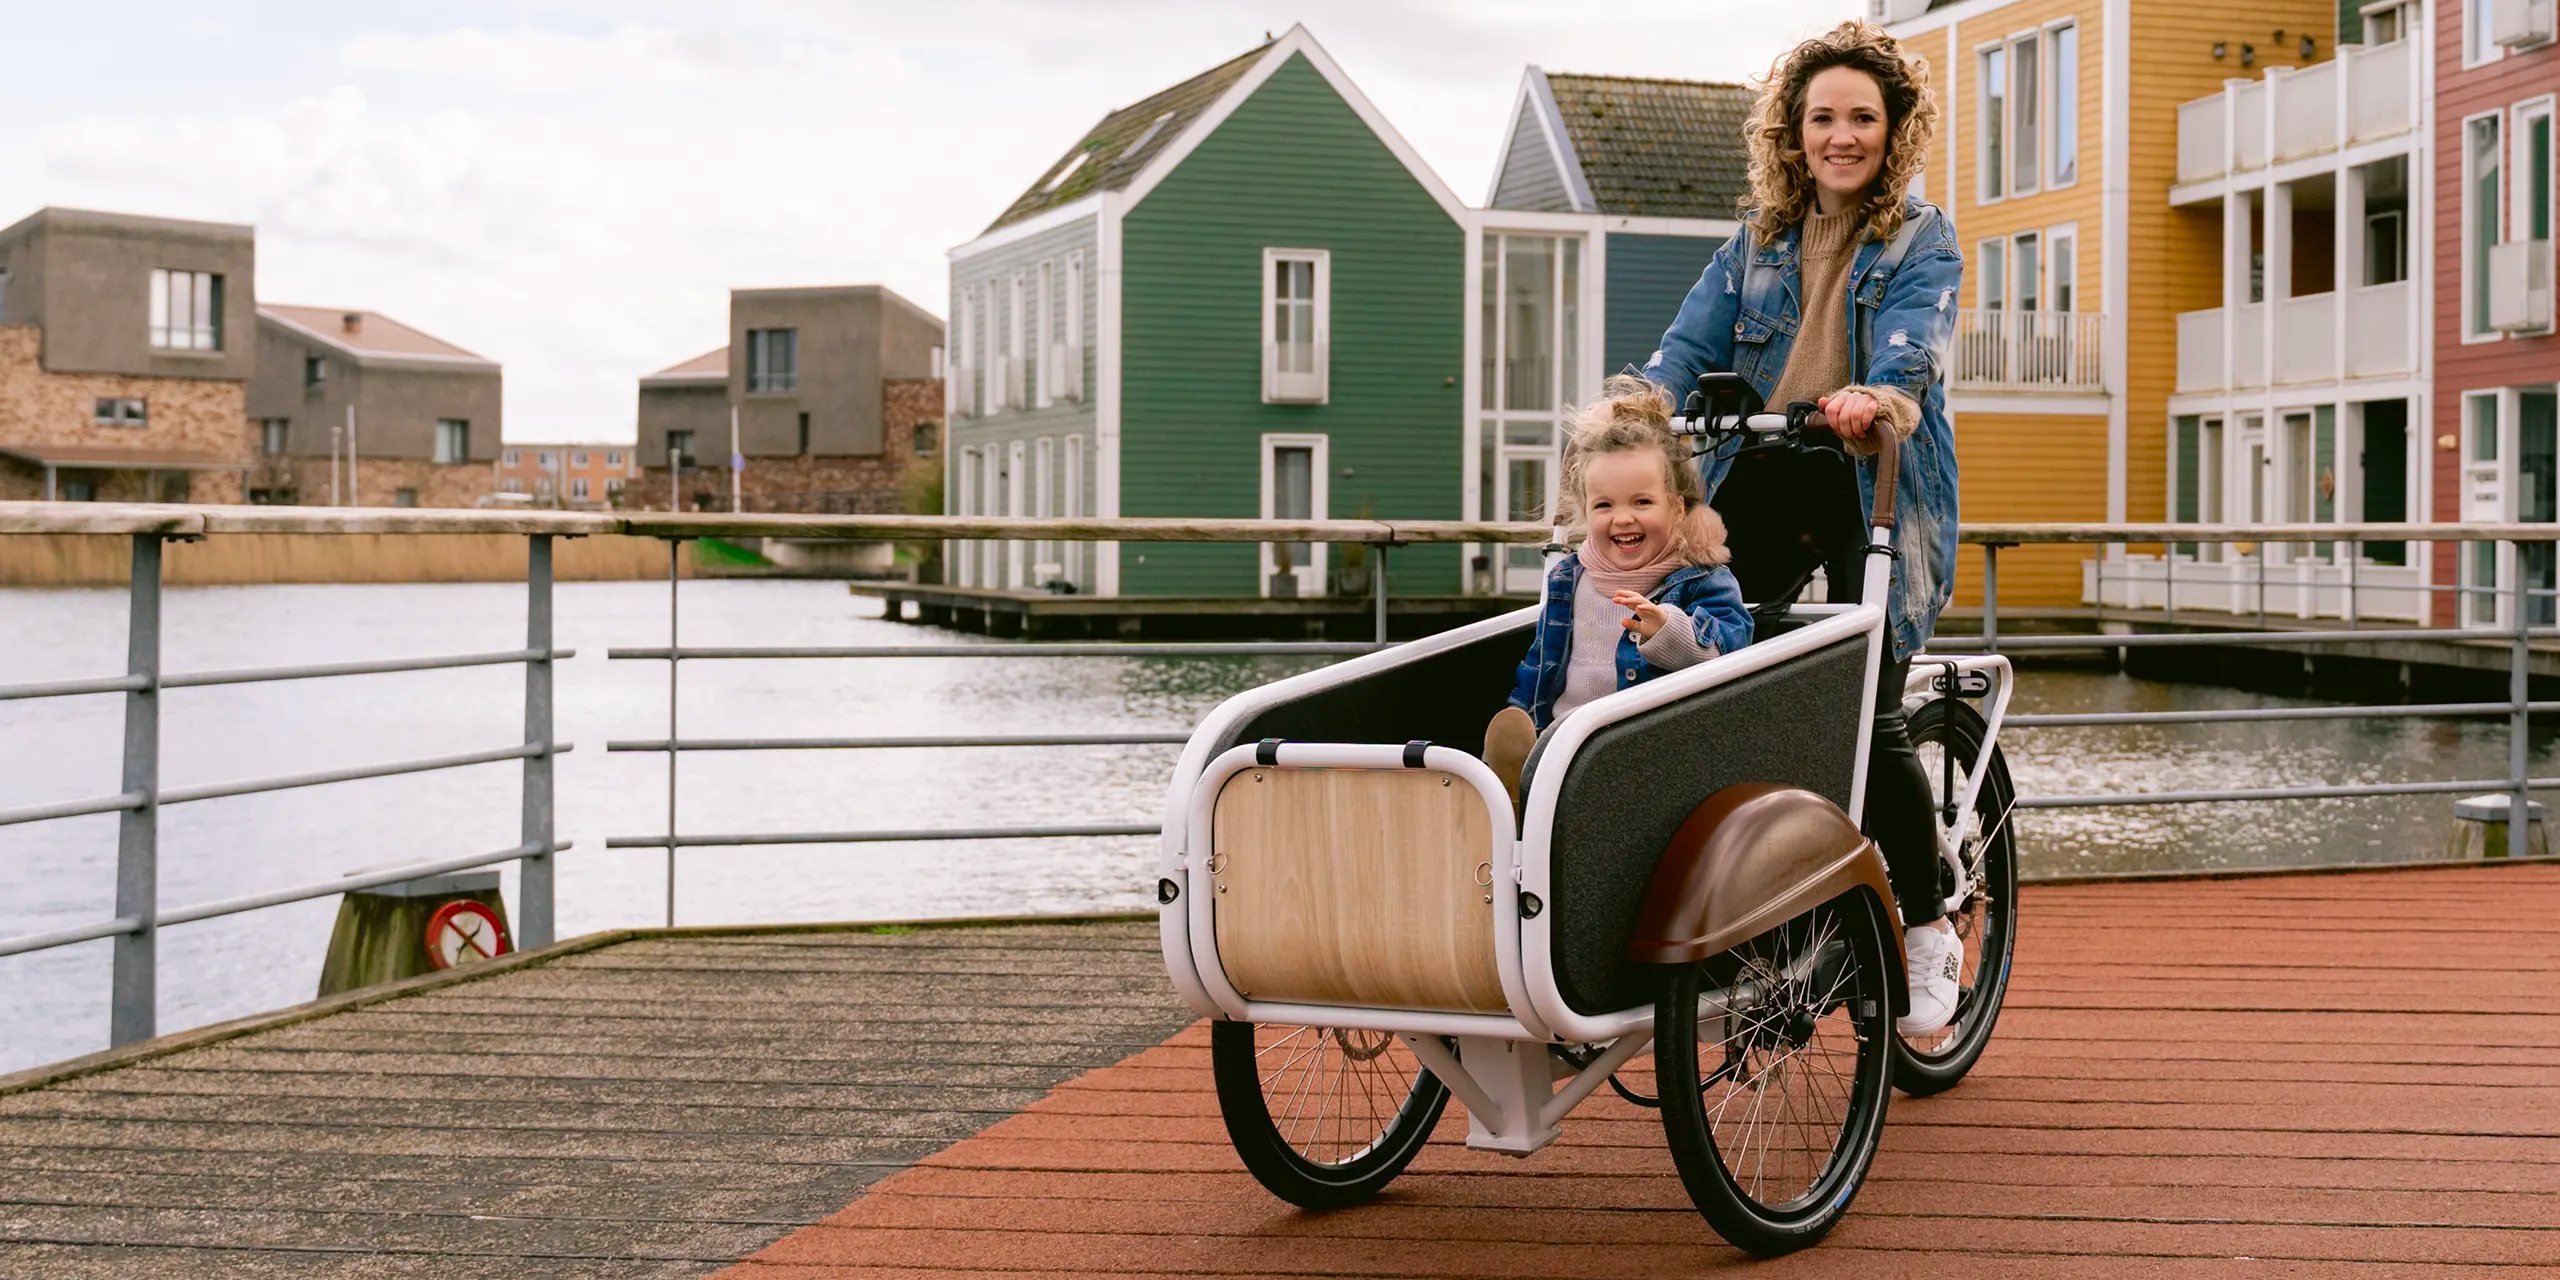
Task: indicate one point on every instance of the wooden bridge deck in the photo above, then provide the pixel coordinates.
(2350, 1075)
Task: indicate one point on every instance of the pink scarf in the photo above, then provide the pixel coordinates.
(1642, 579)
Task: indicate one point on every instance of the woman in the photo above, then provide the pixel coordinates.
(1841, 290)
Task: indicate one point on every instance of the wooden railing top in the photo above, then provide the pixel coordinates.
(203, 521)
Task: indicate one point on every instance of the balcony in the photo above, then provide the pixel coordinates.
(2366, 93)
(2378, 342)
(2060, 351)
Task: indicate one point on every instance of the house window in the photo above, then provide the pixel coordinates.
(804, 435)
(511, 485)
(2533, 172)
(2385, 23)
(1994, 122)
(1293, 488)
(121, 411)
(2029, 261)
(773, 360)
(315, 372)
(613, 457)
(2479, 24)
(928, 438)
(404, 497)
(679, 449)
(2062, 50)
(1024, 355)
(78, 491)
(578, 458)
(1044, 291)
(1297, 289)
(2482, 160)
(453, 440)
(2025, 116)
(578, 488)
(186, 310)
(273, 435)
(514, 458)
(1991, 279)
(543, 459)
(2386, 248)
(2064, 255)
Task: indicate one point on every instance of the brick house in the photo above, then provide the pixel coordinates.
(355, 408)
(832, 393)
(579, 476)
(2496, 412)
(125, 344)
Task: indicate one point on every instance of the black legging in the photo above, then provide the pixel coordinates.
(1901, 807)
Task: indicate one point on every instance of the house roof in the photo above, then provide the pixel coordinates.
(710, 366)
(375, 335)
(1657, 148)
(1116, 150)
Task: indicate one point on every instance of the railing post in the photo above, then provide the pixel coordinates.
(133, 1005)
(2519, 805)
(2169, 585)
(1378, 559)
(2355, 553)
(1991, 597)
(675, 551)
(534, 873)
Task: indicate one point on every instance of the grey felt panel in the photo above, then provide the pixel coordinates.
(1632, 784)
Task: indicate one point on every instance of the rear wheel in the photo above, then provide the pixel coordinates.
(1323, 1116)
(1947, 731)
(1771, 1061)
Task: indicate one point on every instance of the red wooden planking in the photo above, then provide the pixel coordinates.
(2376, 1118)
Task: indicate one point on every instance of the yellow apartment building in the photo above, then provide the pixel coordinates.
(2055, 159)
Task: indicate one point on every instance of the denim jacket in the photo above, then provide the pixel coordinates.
(1708, 594)
(1725, 325)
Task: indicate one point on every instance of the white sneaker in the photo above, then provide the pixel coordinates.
(1934, 958)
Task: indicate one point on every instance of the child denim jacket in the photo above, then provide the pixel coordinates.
(1708, 594)
(1745, 321)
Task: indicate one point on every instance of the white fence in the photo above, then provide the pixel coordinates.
(2365, 94)
(2031, 350)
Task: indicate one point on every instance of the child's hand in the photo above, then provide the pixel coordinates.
(1644, 616)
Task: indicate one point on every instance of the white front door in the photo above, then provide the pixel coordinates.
(1293, 488)
(1527, 493)
(2484, 500)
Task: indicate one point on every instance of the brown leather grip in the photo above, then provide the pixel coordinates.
(1888, 470)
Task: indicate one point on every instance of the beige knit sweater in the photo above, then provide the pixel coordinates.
(1818, 365)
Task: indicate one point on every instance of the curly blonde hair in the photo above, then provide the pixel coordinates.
(1782, 181)
(1633, 415)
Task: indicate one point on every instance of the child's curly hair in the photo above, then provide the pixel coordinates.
(1781, 179)
(1634, 413)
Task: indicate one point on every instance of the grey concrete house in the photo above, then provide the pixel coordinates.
(355, 407)
(125, 342)
(832, 391)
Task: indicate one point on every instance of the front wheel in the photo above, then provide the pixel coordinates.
(1948, 736)
(1323, 1117)
(1771, 1061)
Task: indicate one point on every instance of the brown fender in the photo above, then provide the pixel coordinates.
(1754, 856)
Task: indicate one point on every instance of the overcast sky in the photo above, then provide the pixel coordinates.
(572, 186)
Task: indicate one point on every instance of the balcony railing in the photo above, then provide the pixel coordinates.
(2215, 356)
(2368, 92)
(2031, 350)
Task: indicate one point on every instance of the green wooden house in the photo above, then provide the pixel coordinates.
(1244, 295)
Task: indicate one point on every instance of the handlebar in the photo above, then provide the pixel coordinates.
(1784, 431)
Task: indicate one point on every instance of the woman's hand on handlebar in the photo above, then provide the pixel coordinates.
(1852, 413)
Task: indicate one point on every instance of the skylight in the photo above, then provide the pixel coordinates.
(1154, 127)
(1066, 170)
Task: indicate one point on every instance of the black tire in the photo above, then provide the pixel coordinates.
(1942, 729)
(1798, 1074)
(1355, 1105)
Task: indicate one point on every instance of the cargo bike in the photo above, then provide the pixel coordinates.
(1373, 925)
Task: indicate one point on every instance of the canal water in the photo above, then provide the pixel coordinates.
(59, 874)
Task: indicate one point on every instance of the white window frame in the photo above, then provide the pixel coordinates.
(1074, 555)
(1298, 388)
(2401, 12)
(1991, 182)
(2514, 173)
(514, 459)
(202, 330)
(2502, 468)
(1311, 575)
(2049, 65)
(2471, 283)
(1044, 470)
(461, 456)
(1985, 299)
(990, 551)
(2396, 236)
(1075, 324)
(578, 488)
(2052, 262)
(2478, 50)
(1044, 363)
(1016, 478)
(964, 502)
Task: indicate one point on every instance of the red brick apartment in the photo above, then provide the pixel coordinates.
(2497, 408)
(588, 476)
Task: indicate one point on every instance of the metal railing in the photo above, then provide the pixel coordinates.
(141, 794)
